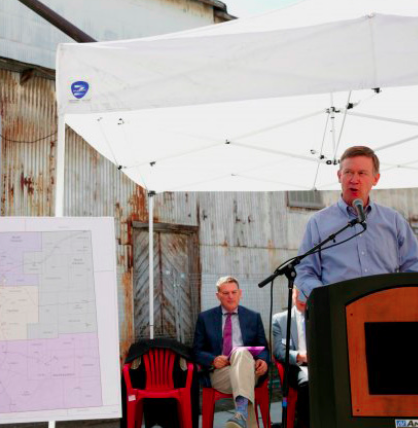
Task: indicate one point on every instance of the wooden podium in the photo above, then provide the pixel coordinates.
(363, 367)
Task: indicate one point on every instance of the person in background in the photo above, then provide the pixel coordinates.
(298, 359)
(231, 345)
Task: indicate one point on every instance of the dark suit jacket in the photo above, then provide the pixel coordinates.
(208, 334)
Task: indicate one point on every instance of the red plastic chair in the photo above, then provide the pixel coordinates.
(211, 395)
(292, 397)
(159, 384)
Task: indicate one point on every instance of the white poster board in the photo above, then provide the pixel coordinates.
(59, 339)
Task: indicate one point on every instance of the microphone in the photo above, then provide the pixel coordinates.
(358, 205)
(267, 280)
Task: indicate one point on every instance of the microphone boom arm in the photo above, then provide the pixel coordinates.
(288, 268)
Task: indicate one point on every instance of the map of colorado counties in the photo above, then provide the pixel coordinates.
(49, 343)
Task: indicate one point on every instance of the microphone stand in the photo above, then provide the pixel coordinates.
(288, 269)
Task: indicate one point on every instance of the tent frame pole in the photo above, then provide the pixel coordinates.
(59, 186)
(151, 195)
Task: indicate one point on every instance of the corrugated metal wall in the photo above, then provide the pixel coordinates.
(28, 166)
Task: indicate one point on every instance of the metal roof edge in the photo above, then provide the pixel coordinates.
(219, 8)
(22, 67)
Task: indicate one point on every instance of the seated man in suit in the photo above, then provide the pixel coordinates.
(221, 337)
(298, 370)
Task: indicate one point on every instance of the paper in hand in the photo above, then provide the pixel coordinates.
(254, 350)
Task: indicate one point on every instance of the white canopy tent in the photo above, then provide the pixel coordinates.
(263, 103)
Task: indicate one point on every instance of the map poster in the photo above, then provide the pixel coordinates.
(59, 344)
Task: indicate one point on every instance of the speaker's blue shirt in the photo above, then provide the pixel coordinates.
(387, 246)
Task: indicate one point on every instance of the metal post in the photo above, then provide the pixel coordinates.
(58, 21)
(151, 195)
(285, 385)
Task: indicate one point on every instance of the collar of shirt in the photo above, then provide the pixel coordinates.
(236, 328)
(350, 211)
(225, 312)
(299, 314)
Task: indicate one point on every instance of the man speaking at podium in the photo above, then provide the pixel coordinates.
(388, 245)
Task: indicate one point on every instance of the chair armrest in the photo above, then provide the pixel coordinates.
(127, 378)
(190, 371)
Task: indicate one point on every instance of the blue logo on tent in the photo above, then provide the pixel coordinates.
(401, 423)
(79, 89)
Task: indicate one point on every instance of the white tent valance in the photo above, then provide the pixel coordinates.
(195, 68)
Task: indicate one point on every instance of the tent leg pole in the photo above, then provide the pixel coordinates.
(151, 195)
(60, 168)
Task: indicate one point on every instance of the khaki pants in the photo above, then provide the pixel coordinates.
(239, 378)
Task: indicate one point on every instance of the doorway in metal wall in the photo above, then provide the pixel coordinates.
(177, 281)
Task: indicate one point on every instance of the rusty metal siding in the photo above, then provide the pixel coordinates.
(176, 208)
(94, 186)
(28, 158)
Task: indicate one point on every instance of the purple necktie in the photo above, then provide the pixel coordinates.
(227, 343)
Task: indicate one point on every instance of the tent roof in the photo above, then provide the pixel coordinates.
(262, 103)
(313, 47)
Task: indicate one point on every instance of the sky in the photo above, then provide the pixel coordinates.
(242, 8)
